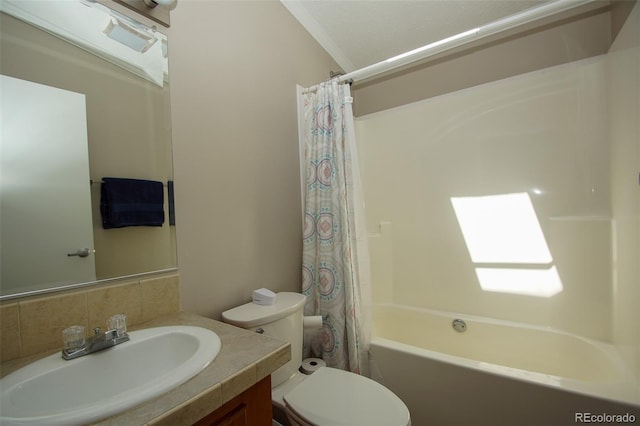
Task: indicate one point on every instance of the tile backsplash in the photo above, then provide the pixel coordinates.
(34, 324)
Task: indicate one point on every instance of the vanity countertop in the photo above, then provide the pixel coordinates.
(244, 359)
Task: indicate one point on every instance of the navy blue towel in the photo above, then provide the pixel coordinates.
(131, 202)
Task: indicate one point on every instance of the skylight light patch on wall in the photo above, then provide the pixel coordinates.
(501, 229)
(530, 282)
(507, 245)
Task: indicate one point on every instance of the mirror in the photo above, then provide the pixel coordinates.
(128, 134)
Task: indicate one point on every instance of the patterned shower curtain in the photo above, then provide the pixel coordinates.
(335, 270)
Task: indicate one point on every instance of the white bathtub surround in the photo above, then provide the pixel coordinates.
(623, 62)
(336, 277)
(565, 337)
(496, 372)
(541, 135)
(567, 137)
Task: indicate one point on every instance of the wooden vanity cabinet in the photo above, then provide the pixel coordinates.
(251, 408)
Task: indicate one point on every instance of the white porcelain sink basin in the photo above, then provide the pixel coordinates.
(53, 391)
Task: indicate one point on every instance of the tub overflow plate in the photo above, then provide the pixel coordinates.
(459, 325)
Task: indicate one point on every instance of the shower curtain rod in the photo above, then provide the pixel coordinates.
(510, 22)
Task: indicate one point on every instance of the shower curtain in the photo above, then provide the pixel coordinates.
(335, 272)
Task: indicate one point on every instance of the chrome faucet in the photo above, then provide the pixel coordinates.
(76, 345)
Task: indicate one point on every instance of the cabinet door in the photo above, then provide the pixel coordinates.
(251, 408)
(238, 417)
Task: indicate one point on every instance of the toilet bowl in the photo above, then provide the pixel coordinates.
(328, 396)
(334, 397)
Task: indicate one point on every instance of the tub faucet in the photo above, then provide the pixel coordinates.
(76, 345)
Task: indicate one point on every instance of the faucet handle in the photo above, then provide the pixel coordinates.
(73, 337)
(118, 323)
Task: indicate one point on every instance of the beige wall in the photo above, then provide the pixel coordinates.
(234, 67)
(624, 111)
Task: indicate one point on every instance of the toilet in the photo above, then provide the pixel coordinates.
(327, 396)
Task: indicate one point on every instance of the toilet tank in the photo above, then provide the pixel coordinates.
(282, 321)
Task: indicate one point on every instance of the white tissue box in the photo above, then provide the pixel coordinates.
(264, 296)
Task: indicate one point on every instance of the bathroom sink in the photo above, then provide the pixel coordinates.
(52, 391)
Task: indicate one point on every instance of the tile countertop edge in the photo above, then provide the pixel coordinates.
(244, 359)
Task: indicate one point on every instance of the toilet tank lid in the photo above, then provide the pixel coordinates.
(252, 315)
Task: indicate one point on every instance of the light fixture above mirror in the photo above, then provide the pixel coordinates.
(154, 3)
(156, 10)
(127, 43)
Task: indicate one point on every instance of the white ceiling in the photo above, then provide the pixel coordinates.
(358, 33)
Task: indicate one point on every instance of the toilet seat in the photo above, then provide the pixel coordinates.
(334, 397)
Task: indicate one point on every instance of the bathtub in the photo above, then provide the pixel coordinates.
(496, 372)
